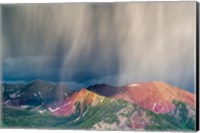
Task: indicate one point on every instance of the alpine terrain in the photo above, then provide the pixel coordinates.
(139, 106)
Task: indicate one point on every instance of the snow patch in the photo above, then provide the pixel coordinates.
(133, 85)
(77, 119)
(7, 101)
(154, 105)
(53, 110)
(40, 94)
(85, 113)
(14, 95)
(80, 116)
(66, 94)
(67, 103)
(18, 94)
(35, 94)
(41, 111)
(24, 106)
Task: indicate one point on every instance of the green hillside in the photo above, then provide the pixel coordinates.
(110, 114)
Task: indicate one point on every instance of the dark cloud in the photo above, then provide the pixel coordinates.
(82, 44)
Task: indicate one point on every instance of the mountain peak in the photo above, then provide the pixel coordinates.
(82, 97)
(99, 85)
(104, 89)
(83, 92)
(155, 95)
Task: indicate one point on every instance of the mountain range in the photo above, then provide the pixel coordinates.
(139, 106)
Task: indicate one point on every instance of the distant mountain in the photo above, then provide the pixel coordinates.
(155, 96)
(36, 93)
(106, 90)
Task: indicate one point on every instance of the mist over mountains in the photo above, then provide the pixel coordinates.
(91, 43)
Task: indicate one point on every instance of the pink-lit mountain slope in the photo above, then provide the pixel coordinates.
(82, 97)
(155, 96)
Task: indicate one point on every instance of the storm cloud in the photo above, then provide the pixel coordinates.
(114, 43)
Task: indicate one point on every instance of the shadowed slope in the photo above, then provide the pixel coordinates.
(36, 93)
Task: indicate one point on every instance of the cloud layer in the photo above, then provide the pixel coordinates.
(89, 43)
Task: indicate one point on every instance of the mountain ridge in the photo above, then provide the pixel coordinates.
(129, 107)
(156, 96)
(37, 92)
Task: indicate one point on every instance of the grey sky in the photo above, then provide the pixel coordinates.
(82, 44)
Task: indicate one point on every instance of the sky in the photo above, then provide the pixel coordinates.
(86, 43)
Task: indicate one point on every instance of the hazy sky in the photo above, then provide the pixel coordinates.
(83, 44)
